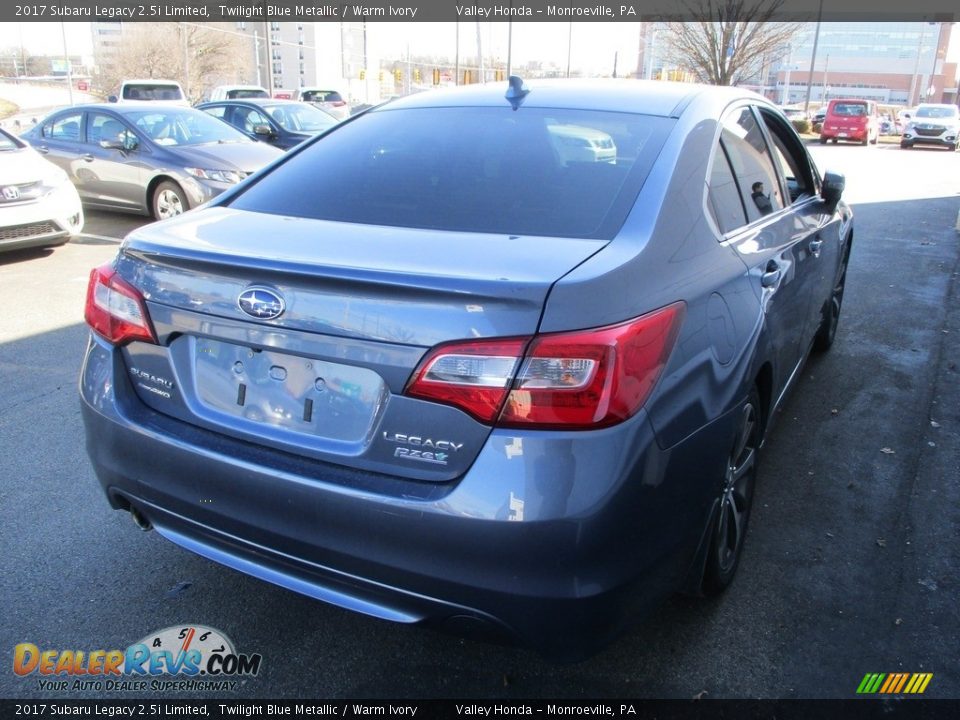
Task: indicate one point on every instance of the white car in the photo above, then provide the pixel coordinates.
(933, 124)
(149, 91)
(39, 206)
(330, 100)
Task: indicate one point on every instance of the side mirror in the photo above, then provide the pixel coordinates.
(832, 188)
(112, 98)
(111, 144)
(262, 130)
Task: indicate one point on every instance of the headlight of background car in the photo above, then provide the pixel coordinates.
(231, 177)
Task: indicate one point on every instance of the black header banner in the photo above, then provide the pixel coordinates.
(455, 10)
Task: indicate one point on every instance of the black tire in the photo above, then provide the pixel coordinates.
(736, 499)
(168, 201)
(830, 317)
(905, 145)
(823, 141)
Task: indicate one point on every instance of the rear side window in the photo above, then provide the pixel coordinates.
(535, 171)
(65, 127)
(746, 148)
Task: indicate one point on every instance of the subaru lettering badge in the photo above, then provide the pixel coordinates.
(261, 303)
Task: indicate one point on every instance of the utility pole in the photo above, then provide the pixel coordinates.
(66, 57)
(813, 58)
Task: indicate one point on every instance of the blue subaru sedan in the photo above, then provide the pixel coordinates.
(498, 359)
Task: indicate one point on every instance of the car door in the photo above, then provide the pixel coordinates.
(111, 176)
(60, 141)
(823, 251)
(749, 205)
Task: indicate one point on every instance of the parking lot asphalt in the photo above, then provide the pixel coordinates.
(850, 567)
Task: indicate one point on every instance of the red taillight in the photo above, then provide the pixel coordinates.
(115, 309)
(585, 379)
(474, 375)
(338, 103)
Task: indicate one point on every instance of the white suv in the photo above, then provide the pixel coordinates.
(932, 124)
(144, 91)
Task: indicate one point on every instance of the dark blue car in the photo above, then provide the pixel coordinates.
(497, 360)
(281, 123)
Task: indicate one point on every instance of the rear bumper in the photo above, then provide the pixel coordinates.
(549, 539)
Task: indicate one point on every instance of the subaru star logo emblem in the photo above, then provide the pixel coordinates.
(261, 303)
(11, 193)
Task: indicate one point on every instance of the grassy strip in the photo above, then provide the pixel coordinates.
(7, 109)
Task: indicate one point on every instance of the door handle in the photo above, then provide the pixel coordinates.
(43, 149)
(88, 157)
(771, 276)
(815, 246)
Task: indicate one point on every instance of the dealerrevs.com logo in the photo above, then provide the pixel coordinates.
(177, 658)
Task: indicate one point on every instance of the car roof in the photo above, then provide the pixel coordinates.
(648, 97)
(252, 101)
(126, 108)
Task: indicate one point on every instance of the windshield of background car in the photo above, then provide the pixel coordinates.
(144, 91)
(564, 173)
(300, 118)
(936, 112)
(183, 127)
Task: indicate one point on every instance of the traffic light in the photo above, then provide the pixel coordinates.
(436, 76)
(416, 76)
(363, 74)
(499, 75)
(380, 76)
(398, 75)
(467, 77)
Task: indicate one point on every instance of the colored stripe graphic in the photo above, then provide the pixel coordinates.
(894, 683)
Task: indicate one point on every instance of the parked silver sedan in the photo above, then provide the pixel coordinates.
(159, 160)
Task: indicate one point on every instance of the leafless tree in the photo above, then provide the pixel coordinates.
(729, 41)
(197, 57)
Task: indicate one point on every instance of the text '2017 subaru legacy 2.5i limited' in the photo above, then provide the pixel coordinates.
(432, 369)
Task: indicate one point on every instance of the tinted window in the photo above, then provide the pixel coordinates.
(471, 169)
(850, 109)
(790, 156)
(746, 148)
(246, 93)
(320, 96)
(300, 117)
(65, 127)
(8, 142)
(724, 195)
(183, 127)
(151, 91)
(218, 112)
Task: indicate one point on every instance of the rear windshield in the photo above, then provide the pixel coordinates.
(247, 93)
(566, 173)
(849, 109)
(143, 91)
(320, 96)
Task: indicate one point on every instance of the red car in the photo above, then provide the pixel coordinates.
(852, 120)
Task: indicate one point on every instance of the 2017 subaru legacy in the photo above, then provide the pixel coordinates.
(432, 369)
